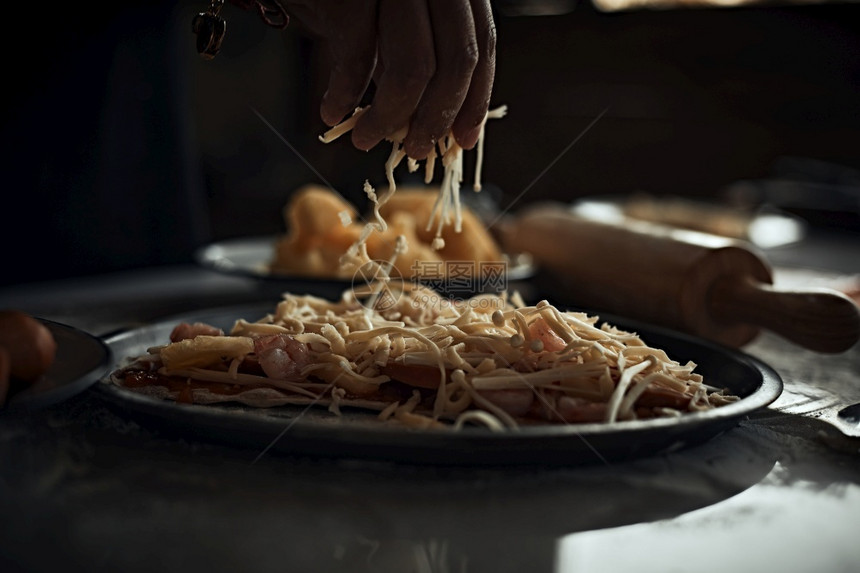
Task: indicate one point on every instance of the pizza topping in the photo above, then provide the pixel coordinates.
(427, 361)
(184, 331)
(204, 351)
(282, 356)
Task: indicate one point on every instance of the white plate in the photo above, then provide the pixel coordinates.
(250, 257)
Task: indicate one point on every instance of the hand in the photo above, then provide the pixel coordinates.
(433, 63)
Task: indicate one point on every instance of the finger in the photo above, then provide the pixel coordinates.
(352, 48)
(456, 50)
(467, 125)
(405, 49)
(348, 80)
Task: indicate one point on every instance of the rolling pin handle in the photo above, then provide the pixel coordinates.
(823, 320)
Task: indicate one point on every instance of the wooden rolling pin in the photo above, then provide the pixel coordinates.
(706, 285)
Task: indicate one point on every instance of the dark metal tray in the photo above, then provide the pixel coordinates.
(358, 434)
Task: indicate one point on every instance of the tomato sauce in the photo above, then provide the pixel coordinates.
(182, 385)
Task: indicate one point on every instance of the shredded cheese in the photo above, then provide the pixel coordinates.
(464, 350)
(448, 203)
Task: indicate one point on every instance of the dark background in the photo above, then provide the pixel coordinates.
(122, 148)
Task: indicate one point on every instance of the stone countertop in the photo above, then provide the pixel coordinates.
(84, 487)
